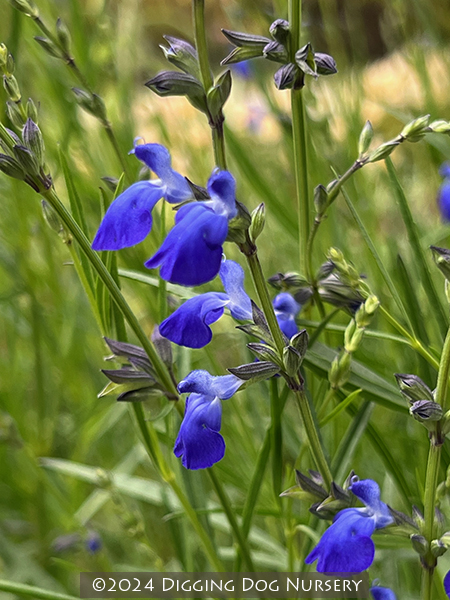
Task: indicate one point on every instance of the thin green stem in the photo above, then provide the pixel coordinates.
(299, 136)
(432, 476)
(277, 439)
(112, 287)
(113, 140)
(198, 10)
(21, 589)
(162, 288)
(313, 438)
(240, 537)
(215, 121)
(413, 341)
(264, 298)
(151, 443)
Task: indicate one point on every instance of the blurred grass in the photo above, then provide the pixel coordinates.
(394, 64)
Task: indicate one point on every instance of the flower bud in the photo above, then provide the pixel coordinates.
(173, 83)
(320, 199)
(258, 222)
(275, 52)
(26, 159)
(440, 126)
(63, 35)
(285, 76)
(3, 56)
(92, 103)
(183, 55)
(340, 370)
(365, 139)
(239, 54)
(413, 387)
(32, 112)
(11, 167)
(12, 88)
(383, 151)
(442, 259)
(300, 342)
(219, 93)
(425, 410)
(292, 361)
(245, 40)
(438, 548)
(325, 64)
(48, 46)
(33, 140)
(27, 7)
(418, 126)
(279, 30)
(14, 114)
(419, 543)
(304, 59)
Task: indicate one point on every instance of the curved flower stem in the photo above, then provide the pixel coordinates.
(431, 481)
(112, 288)
(259, 281)
(299, 135)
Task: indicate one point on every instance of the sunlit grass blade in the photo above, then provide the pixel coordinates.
(339, 408)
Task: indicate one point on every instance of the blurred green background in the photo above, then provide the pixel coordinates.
(394, 64)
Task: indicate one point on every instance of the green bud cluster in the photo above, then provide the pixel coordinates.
(340, 367)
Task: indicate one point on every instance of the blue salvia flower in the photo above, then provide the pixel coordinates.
(93, 542)
(444, 192)
(190, 324)
(346, 546)
(128, 220)
(191, 254)
(199, 443)
(447, 584)
(382, 593)
(286, 309)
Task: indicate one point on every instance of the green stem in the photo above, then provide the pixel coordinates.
(113, 289)
(240, 537)
(113, 140)
(313, 438)
(299, 136)
(215, 122)
(21, 589)
(277, 439)
(413, 341)
(263, 295)
(162, 288)
(152, 446)
(434, 459)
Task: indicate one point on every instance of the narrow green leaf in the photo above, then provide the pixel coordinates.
(340, 407)
(419, 256)
(375, 388)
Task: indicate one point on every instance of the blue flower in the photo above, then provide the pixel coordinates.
(191, 254)
(286, 309)
(199, 442)
(128, 220)
(93, 542)
(346, 546)
(447, 584)
(382, 593)
(189, 324)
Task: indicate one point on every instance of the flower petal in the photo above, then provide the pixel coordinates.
(198, 442)
(222, 190)
(157, 158)
(188, 325)
(192, 251)
(382, 593)
(202, 382)
(128, 220)
(444, 200)
(346, 546)
(232, 276)
(368, 491)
